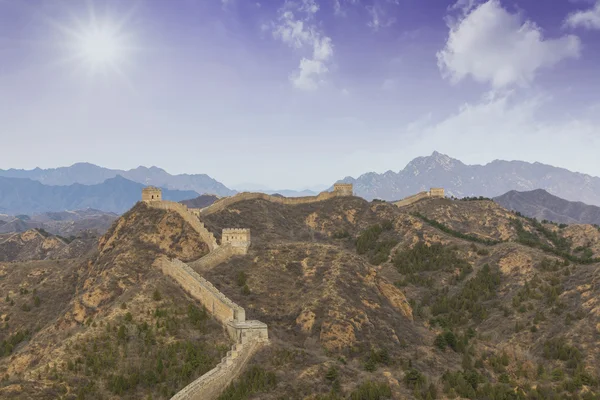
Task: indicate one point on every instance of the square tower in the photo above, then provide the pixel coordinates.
(436, 192)
(151, 193)
(343, 189)
(238, 238)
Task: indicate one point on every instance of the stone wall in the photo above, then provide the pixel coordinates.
(151, 193)
(210, 385)
(412, 199)
(437, 192)
(221, 307)
(344, 189)
(214, 258)
(248, 336)
(221, 204)
(238, 238)
(191, 217)
(433, 192)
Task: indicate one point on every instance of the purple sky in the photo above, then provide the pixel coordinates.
(300, 93)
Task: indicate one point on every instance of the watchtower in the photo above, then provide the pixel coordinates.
(436, 192)
(151, 193)
(343, 189)
(238, 238)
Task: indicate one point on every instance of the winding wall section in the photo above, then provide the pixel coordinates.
(227, 201)
(248, 336)
(191, 217)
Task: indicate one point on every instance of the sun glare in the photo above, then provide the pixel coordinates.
(99, 47)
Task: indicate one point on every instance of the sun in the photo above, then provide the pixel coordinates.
(99, 47)
(98, 44)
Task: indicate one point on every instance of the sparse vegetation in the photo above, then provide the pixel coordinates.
(452, 232)
(254, 380)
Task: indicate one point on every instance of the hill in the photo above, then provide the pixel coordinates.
(202, 201)
(117, 195)
(544, 206)
(490, 180)
(107, 325)
(65, 223)
(364, 300)
(90, 174)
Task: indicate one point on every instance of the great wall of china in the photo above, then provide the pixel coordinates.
(248, 336)
(431, 193)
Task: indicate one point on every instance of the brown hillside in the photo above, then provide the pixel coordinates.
(324, 303)
(110, 326)
(360, 298)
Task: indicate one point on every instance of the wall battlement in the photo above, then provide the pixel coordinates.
(248, 336)
(344, 189)
(433, 192)
(238, 238)
(151, 193)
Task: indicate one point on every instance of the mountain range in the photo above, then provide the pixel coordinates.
(542, 205)
(90, 174)
(26, 196)
(489, 180)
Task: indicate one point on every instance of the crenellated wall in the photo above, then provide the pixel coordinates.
(433, 192)
(223, 309)
(248, 336)
(221, 204)
(214, 258)
(191, 217)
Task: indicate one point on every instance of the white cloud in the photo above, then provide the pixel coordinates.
(492, 45)
(339, 6)
(464, 5)
(378, 17)
(589, 19)
(304, 34)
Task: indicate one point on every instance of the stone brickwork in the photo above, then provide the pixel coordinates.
(223, 309)
(214, 258)
(238, 238)
(219, 205)
(437, 192)
(344, 189)
(248, 336)
(433, 192)
(151, 193)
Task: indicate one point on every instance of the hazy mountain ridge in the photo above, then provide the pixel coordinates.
(542, 205)
(90, 174)
(490, 180)
(64, 223)
(26, 196)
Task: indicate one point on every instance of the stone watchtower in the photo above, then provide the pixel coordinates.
(343, 189)
(238, 238)
(436, 192)
(151, 193)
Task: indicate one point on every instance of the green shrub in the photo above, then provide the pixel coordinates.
(371, 391)
(254, 380)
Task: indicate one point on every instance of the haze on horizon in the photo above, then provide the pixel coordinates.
(298, 93)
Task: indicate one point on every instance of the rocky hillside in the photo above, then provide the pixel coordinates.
(65, 223)
(107, 325)
(441, 299)
(37, 244)
(542, 205)
(490, 180)
(200, 201)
